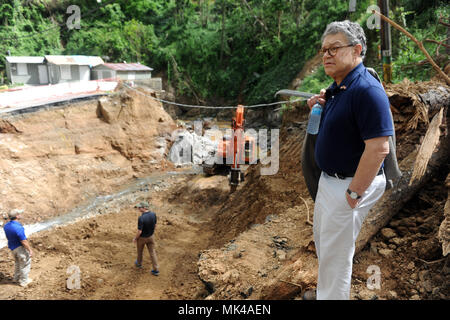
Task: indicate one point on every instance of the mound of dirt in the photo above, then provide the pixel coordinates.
(262, 228)
(7, 127)
(408, 251)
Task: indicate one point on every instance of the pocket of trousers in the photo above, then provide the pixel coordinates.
(378, 185)
(347, 205)
(340, 188)
(24, 256)
(341, 200)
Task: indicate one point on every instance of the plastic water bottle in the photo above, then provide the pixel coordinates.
(314, 119)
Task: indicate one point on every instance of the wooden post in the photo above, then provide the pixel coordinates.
(386, 52)
(447, 50)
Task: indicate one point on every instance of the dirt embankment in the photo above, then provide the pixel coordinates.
(53, 160)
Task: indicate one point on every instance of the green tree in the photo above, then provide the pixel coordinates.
(213, 50)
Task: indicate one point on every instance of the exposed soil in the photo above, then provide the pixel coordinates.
(102, 248)
(408, 251)
(57, 158)
(215, 244)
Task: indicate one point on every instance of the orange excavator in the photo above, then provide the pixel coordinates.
(234, 150)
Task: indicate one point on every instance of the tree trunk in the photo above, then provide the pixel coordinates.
(394, 199)
(447, 49)
(222, 38)
(444, 229)
(204, 8)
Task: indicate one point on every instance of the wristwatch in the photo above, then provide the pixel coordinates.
(353, 194)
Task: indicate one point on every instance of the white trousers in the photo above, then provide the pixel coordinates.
(22, 264)
(336, 227)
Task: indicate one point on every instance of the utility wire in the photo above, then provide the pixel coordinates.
(213, 107)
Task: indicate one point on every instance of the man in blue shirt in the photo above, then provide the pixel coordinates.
(351, 146)
(20, 247)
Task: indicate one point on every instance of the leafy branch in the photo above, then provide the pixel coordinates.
(419, 44)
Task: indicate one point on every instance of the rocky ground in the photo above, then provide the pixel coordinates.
(408, 251)
(195, 266)
(100, 248)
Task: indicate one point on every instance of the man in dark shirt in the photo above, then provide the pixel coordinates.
(144, 236)
(351, 146)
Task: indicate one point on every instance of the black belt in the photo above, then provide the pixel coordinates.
(343, 176)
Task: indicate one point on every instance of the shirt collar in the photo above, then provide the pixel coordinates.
(352, 75)
(334, 88)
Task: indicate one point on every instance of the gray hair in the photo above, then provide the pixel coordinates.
(352, 30)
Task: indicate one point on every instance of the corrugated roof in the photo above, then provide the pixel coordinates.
(76, 60)
(127, 67)
(24, 59)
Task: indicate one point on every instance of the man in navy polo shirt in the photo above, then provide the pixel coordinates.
(350, 149)
(18, 243)
(145, 236)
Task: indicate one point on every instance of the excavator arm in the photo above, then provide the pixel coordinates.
(238, 149)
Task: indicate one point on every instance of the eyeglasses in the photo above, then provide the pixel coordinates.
(333, 50)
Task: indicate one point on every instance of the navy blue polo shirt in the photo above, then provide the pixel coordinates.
(15, 233)
(147, 223)
(356, 111)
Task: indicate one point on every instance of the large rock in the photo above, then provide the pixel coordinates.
(388, 233)
(108, 109)
(387, 253)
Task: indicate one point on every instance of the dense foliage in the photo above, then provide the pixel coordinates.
(420, 18)
(222, 50)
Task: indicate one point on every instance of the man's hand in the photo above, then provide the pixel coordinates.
(353, 203)
(138, 234)
(374, 153)
(27, 247)
(317, 98)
